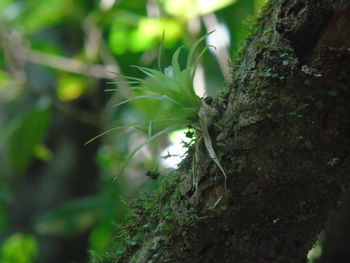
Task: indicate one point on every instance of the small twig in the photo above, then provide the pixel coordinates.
(16, 49)
(216, 202)
(70, 65)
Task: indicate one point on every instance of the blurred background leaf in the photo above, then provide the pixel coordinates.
(19, 248)
(56, 59)
(29, 131)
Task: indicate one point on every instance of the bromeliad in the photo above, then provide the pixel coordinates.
(174, 85)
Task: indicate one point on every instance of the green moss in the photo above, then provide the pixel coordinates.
(254, 26)
(151, 212)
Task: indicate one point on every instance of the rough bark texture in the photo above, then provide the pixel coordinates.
(283, 139)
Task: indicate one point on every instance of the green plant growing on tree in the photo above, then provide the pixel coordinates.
(175, 86)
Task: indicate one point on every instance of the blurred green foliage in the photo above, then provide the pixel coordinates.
(27, 132)
(19, 248)
(56, 58)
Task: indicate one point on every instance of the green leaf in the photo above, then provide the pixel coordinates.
(193, 49)
(115, 129)
(155, 97)
(47, 13)
(206, 113)
(150, 129)
(70, 87)
(118, 39)
(175, 63)
(30, 130)
(160, 51)
(332, 93)
(139, 147)
(19, 248)
(72, 216)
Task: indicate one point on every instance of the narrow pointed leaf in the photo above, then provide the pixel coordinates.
(150, 129)
(175, 63)
(114, 129)
(193, 49)
(160, 51)
(132, 154)
(155, 97)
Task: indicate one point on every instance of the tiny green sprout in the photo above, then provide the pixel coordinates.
(268, 30)
(132, 243)
(332, 93)
(285, 62)
(120, 251)
(175, 86)
(283, 55)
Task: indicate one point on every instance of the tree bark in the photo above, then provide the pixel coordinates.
(283, 138)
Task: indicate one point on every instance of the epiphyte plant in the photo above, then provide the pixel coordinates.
(174, 85)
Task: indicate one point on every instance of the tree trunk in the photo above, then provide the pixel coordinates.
(283, 139)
